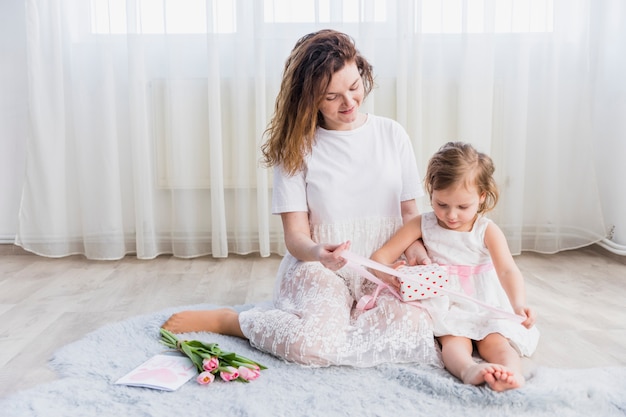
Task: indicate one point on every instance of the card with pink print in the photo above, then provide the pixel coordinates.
(162, 372)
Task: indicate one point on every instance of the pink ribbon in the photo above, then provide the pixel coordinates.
(464, 272)
(356, 263)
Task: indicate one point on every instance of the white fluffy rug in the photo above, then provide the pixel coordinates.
(89, 367)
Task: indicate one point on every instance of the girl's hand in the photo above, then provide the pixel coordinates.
(391, 280)
(529, 314)
(329, 255)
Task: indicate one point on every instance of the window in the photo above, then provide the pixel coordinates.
(220, 16)
(190, 16)
(319, 11)
(471, 16)
(164, 16)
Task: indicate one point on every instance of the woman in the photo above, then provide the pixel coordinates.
(342, 179)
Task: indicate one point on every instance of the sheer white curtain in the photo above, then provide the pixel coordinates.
(513, 77)
(146, 117)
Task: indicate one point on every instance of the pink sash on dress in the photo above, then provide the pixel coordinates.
(357, 263)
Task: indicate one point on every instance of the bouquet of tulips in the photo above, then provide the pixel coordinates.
(210, 360)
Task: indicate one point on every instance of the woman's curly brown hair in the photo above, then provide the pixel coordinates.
(306, 77)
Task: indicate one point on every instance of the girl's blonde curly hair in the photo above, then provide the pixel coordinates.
(457, 163)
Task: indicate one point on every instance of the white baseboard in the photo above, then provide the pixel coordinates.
(7, 240)
(612, 247)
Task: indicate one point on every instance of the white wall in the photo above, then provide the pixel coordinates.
(13, 113)
(609, 121)
(609, 118)
(610, 154)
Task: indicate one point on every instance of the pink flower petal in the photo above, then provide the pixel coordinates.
(205, 378)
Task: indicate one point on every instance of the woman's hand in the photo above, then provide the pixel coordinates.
(330, 255)
(416, 254)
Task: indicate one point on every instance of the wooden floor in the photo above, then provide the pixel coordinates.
(580, 297)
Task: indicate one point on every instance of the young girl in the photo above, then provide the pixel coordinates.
(462, 189)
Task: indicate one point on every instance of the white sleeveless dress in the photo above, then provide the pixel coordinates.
(351, 188)
(461, 317)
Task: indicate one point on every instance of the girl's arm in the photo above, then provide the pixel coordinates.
(299, 243)
(509, 274)
(416, 252)
(389, 253)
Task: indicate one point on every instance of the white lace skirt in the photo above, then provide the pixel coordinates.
(313, 321)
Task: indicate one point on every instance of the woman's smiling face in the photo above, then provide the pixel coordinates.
(345, 93)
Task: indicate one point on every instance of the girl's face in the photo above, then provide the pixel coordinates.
(340, 106)
(456, 207)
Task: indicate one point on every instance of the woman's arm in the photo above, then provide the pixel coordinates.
(299, 243)
(509, 274)
(415, 253)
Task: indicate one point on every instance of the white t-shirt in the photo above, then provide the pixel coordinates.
(360, 173)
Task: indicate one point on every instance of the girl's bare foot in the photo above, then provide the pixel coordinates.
(222, 321)
(503, 381)
(477, 373)
(497, 377)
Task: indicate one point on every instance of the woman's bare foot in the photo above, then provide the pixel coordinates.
(222, 321)
(497, 377)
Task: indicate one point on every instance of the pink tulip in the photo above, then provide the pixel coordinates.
(205, 378)
(210, 364)
(229, 373)
(248, 374)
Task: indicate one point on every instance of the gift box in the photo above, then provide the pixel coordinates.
(422, 281)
